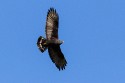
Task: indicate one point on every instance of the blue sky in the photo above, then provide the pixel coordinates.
(94, 35)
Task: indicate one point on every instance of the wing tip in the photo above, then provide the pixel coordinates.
(52, 10)
(62, 67)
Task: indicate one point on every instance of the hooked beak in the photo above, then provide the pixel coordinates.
(62, 42)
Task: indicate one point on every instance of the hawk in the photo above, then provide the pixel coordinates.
(51, 42)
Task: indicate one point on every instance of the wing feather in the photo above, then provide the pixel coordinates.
(52, 24)
(57, 56)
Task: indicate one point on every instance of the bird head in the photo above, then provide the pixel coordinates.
(60, 42)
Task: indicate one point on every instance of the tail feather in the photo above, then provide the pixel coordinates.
(41, 44)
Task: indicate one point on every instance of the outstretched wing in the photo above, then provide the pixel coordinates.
(57, 56)
(55, 53)
(52, 24)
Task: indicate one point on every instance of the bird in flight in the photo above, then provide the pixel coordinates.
(51, 42)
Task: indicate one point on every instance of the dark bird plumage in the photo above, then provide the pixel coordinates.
(51, 41)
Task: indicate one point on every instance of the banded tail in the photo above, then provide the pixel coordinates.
(41, 44)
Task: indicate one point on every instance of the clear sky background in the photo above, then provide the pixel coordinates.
(94, 35)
